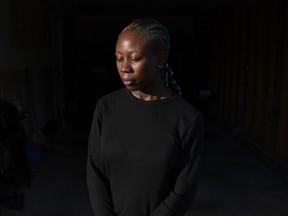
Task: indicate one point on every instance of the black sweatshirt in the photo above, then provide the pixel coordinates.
(143, 156)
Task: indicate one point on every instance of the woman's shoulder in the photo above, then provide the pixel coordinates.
(186, 109)
(185, 104)
(112, 97)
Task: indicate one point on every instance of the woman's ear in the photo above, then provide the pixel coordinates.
(162, 58)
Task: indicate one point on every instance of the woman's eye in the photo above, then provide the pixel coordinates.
(134, 59)
(119, 59)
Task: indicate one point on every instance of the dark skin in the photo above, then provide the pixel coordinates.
(137, 63)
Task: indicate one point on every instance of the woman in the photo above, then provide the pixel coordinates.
(143, 154)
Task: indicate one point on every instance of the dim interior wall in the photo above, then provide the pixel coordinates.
(282, 137)
(25, 58)
(247, 69)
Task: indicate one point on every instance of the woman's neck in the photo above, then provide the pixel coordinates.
(163, 94)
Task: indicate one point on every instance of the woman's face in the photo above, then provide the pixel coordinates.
(136, 62)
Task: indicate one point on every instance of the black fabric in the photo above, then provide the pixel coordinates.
(143, 156)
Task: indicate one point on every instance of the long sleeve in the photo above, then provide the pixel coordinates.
(143, 156)
(98, 184)
(180, 198)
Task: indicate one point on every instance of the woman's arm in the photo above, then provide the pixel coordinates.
(98, 184)
(180, 198)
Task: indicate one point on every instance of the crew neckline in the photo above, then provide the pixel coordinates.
(160, 101)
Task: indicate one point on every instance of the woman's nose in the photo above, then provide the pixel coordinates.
(126, 69)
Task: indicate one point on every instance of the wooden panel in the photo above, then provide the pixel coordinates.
(29, 24)
(272, 90)
(282, 132)
(212, 67)
(216, 74)
(237, 37)
(220, 69)
(241, 102)
(251, 72)
(228, 62)
(262, 65)
(226, 25)
(13, 86)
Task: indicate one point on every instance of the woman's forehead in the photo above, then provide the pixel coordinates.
(132, 35)
(133, 38)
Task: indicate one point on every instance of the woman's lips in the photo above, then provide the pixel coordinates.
(129, 82)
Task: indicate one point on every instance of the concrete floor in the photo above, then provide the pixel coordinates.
(234, 182)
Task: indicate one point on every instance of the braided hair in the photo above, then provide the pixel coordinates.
(157, 33)
(169, 80)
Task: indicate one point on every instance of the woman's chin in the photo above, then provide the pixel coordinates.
(132, 88)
